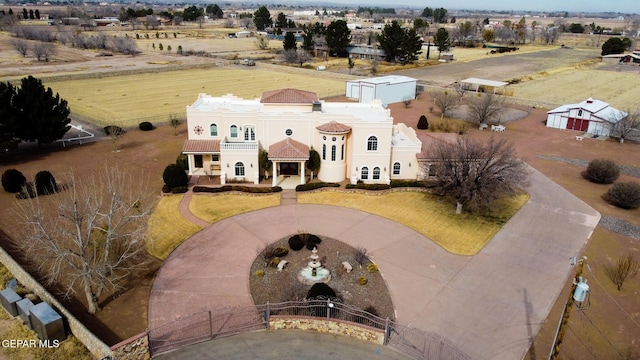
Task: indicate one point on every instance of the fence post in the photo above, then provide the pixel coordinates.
(387, 332)
(210, 326)
(267, 315)
(328, 307)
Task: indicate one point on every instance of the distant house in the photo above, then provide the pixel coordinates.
(633, 58)
(365, 52)
(591, 116)
(388, 89)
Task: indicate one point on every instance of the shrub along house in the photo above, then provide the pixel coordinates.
(355, 141)
(590, 116)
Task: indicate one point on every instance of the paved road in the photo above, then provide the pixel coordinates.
(489, 305)
(501, 67)
(285, 344)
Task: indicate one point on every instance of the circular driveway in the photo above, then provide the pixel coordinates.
(489, 305)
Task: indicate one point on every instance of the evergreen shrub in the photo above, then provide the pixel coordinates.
(13, 181)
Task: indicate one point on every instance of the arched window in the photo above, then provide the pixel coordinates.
(342, 153)
(372, 143)
(324, 152)
(249, 133)
(233, 131)
(396, 168)
(376, 173)
(333, 153)
(579, 112)
(364, 173)
(239, 169)
(213, 129)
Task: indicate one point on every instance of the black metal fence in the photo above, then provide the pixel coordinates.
(208, 325)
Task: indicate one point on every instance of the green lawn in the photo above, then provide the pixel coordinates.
(430, 215)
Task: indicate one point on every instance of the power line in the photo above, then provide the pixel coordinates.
(601, 333)
(612, 298)
(588, 348)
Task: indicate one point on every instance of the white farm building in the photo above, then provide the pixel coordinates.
(355, 141)
(388, 89)
(590, 116)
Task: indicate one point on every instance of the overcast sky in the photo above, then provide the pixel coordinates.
(624, 6)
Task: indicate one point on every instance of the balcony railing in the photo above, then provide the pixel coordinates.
(239, 146)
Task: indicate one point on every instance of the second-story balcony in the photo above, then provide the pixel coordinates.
(253, 145)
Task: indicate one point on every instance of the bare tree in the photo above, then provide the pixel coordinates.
(626, 268)
(175, 121)
(475, 174)
(627, 125)
(303, 56)
(89, 237)
(485, 107)
(262, 42)
(550, 34)
(290, 56)
(445, 101)
(21, 46)
(125, 45)
(504, 33)
(43, 50)
(152, 22)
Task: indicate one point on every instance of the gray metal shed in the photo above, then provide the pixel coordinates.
(388, 89)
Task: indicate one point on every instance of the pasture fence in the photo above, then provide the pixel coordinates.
(103, 120)
(214, 324)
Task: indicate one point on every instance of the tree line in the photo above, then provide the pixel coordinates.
(31, 112)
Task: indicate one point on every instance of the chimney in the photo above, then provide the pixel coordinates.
(317, 106)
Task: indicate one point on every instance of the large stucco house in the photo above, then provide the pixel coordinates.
(591, 116)
(356, 141)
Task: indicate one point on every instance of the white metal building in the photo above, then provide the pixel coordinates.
(388, 89)
(591, 116)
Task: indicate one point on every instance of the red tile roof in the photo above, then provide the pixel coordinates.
(334, 127)
(288, 149)
(289, 96)
(201, 146)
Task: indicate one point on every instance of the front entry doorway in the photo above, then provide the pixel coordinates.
(197, 161)
(288, 168)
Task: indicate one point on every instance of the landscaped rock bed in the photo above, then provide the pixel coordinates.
(267, 284)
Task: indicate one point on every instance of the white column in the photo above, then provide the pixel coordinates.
(302, 173)
(191, 160)
(274, 174)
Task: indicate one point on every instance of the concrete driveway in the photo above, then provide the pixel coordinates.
(490, 305)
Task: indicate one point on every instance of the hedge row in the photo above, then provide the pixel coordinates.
(364, 186)
(242, 188)
(315, 185)
(406, 183)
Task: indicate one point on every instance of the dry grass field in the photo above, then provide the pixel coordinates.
(464, 234)
(167, 228)
(213, 208)
(619, 85)
(127, 100)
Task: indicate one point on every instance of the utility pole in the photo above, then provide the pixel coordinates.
(557, 340)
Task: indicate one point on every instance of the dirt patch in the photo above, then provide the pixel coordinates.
(124, 313)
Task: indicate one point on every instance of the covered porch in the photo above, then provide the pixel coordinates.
(203, 157)
(288, 158)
